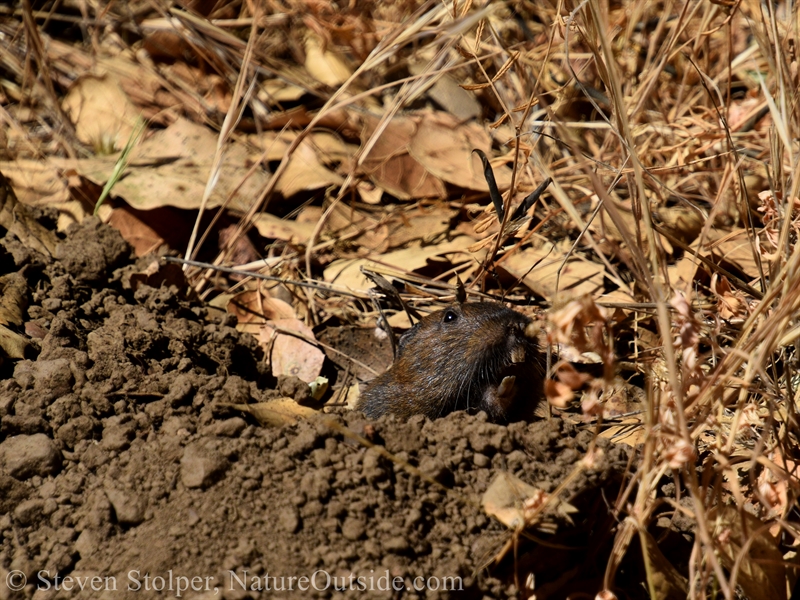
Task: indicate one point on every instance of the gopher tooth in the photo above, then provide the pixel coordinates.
(506, 387)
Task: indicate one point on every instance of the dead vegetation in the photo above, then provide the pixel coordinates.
(329, 147)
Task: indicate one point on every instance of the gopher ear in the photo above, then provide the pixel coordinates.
(461, 293)
(404, 339)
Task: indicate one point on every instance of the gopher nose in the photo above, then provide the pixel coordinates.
(518, 354)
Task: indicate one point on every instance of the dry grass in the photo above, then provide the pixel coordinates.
(670, 132)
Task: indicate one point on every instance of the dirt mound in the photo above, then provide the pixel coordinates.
(121, 474)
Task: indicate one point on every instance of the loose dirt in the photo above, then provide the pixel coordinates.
(122, 472)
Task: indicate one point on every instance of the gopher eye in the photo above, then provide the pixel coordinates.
(450, 315)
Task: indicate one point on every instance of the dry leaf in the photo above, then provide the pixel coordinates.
(682, 274)
(683, 222)
(347, 272)
(183, 154)
(390, 166)
(157, 274)
(539, 266)
(514, 503)
(16, 217)
(103, 115)
(36, 182)
(276, 91)
(275, 228)
(734, 248)
(306, 172)
(136, 232)
(450, 95)
(504, 499)
(13, 299)
(584, 326)
(169, 168)
(604, 227)
(253, 307)
(629, 431)
(358, 227)
(146, 87)
(369, 192)
(444, 147)
(323, 65)
(276, 413)
(775, 481)
(568, 375)
(12, 344)
(558, 394)
(290, 354)
(761, 571)
(305, 169)
(420, 223)
(666, 580)
(731, 304)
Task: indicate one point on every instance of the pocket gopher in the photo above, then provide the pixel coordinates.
(472, 356)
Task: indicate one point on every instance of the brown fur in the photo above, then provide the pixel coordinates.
(456, 359)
